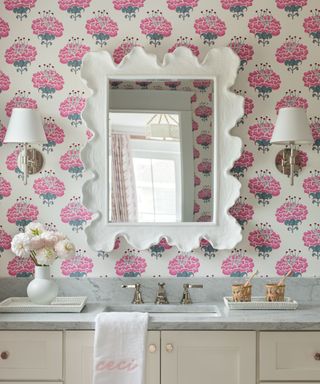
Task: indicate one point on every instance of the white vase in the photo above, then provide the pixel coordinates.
(42, 289)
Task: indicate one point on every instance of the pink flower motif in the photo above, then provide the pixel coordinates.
(117, 244)
(196, 153)
(209, 27)
(292, 98)
(124, 48)
(155, 27)
(292, 213)
(54, 134)
(264, 26)
(72, 107)
(311, 239)
(4, 28)
(22, 213)
(182, 7)
(261, 133)
(292, 261)
(4, 82)
(157, 250)
(248, 106)
(72, 53)
(205, 167)
(242, 49)
(292, 7)
(20, 100)
(311, 80)
(196, 207)
(47, 81)
(77, 266)
(264, 240)
(20, 54)
(292, 53)
(130, 265)
(5, 188)
(184, 265)
(241, 165)
(71, 161)
(311, 186)
(264, 80)
(315, 129)
(238, 264)
(311, 25)
(74, 7)
(128, 7)
(3, 131)
(75, 214)
(185, 42)
(197, 181)
(47, 28)
(5, 240)
(205, 140)
(101, 27)
(12, 161)
(21, 8)
(264, 187)
(89, 134)
(202, 85)
(204, 111)
(48, 187)
(20, 267)
(205, 194)
(237, 7)
(195, 125)
(242, 211)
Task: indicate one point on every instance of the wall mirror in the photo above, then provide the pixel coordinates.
(162, 148)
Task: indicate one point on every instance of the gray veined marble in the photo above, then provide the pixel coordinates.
(104, 292)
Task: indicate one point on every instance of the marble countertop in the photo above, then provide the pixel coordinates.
(306, 317)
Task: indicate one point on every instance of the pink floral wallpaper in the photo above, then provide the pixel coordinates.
(42, 44)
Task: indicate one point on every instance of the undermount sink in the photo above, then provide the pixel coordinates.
(174, 311)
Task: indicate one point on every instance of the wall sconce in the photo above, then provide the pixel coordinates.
(292, 128)
(25, 126)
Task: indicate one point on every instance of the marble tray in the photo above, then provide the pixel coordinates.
(59, 304)
(259, 302)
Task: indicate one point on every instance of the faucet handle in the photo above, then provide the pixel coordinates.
(186, 297)
(137, 297)
(161, 295)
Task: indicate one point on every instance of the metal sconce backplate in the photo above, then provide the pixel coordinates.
(35, 161)
(283, 161)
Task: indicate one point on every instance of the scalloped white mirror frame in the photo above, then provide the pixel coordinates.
(220, 65)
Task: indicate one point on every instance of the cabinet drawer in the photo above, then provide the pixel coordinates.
(289, 356)
(31, 355)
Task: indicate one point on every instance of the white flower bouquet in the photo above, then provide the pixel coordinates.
(41, 245)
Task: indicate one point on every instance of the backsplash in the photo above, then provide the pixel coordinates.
(278, 41)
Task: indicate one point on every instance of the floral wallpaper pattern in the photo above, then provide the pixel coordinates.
(42, 44)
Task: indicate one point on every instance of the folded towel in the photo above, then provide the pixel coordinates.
(119, 348)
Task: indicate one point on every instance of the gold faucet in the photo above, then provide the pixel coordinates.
(186, 297)
(137, 297)
(161, 295)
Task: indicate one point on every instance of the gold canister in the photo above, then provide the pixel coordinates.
(275, 292)
(240, 292)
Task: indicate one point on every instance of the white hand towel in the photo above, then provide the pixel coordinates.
(119, 348)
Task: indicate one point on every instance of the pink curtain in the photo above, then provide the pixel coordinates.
(124, 195)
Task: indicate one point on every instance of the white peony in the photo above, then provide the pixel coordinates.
(46, 256)
(65, 249)
(36, 242)
(20, 245)
(34, 229)
(50, 238)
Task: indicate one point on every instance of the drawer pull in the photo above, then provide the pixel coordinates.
(4, 355)
(316, 356)
(169, 348)
(152, 348)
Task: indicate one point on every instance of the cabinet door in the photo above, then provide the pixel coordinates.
(79, 354)
(208, 357)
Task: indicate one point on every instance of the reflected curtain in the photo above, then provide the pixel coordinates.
(124, 194)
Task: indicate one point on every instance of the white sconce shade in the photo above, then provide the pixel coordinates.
(292, 126)
(25, 126)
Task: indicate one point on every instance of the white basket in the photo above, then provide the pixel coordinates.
(59, 304)
(259, 302)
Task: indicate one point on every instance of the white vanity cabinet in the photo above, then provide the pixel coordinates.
(186, 357)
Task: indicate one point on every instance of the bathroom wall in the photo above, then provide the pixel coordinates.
(41, 46)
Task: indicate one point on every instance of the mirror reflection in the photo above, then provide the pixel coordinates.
(160, 151)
